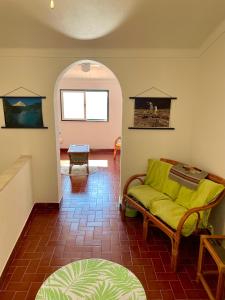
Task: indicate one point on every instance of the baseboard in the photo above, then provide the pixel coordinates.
(37, 206)
(91, 150)
(47, 205)
(101, 150)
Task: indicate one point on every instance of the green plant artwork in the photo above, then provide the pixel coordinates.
(92, 279)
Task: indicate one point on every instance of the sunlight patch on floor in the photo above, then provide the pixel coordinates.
(103, 163)
(99, 163)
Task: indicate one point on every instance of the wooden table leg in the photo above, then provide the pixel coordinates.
(213, 248)
(88, 163)
(220, 285)
(200, 259)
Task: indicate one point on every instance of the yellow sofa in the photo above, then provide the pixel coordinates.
(174, 208)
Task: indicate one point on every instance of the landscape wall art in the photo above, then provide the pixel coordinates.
(151, 112)
(23, 112)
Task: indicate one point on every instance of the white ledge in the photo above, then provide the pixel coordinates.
(7, 175)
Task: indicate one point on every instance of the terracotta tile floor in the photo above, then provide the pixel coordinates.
(89, 225)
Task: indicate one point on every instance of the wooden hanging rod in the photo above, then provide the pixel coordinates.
(171, 98)
(153, 128)
(42, 97)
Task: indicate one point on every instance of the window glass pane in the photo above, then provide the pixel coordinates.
(96, 105)
(73, 105)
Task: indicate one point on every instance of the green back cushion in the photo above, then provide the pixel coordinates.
(184, 196)
(171, 188)
(206, 191)
(156, 174)
(157, 177)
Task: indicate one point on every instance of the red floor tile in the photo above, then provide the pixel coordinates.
(167, 295)
(177, 289)
(20, 296)
(88, 225)
(5, 295)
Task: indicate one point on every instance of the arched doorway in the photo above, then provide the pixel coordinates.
(87, 81)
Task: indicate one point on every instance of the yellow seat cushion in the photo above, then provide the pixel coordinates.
(171, 213)
(146, 195)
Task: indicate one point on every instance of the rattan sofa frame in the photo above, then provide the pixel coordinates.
(151, 220)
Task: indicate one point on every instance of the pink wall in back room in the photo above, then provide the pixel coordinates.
(99, 135)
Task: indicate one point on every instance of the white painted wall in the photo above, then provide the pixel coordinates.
(176, 77)
(99, 135)
(37, 74)
(175, 72)
(208, 142)
(16, 203)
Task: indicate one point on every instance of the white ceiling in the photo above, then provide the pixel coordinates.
(97, 71)
(109, 23)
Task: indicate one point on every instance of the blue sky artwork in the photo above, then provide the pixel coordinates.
(23, 112)
(25, 100)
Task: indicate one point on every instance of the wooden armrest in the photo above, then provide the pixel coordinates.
(212, 236)
(191, 211)
(132, 178)
(196, 210)
(170, 161)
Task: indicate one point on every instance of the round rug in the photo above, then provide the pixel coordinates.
(92, 279)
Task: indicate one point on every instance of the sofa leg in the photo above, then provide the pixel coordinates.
(145, 228)
(123, 210)
(175, 253)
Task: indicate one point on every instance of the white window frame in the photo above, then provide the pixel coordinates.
(84, 119)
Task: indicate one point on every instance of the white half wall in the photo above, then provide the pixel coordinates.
(16, 202)
(99, 135)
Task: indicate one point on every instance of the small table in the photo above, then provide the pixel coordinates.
(92, 279)
(78, 155)
(213, 243)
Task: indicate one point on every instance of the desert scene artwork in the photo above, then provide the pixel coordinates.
(151, 112)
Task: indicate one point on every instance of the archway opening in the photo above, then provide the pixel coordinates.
(88, 102)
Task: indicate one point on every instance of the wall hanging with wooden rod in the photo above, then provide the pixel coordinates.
(152, 112)
(23, 111)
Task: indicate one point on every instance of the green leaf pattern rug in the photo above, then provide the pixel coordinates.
(92, 279)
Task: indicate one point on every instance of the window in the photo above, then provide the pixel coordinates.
(84, 105)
